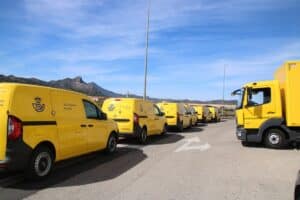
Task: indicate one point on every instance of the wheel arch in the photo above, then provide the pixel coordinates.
(273, 123)
(50, 145)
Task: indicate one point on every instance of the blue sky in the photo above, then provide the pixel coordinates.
(190, 42)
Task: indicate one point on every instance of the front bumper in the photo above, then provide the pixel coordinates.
(248, 135)
(241, 134)
(17, 156)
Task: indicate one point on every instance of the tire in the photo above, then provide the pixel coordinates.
(275, 139)
(112, 142)
(180, 127)
(40, 164)
(165, 130)
(142, 138)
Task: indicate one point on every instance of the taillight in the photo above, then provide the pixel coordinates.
(14, 128)
(136, 118)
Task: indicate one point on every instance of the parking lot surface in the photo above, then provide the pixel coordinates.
(205, 162)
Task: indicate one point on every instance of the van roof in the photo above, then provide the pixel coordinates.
(39, 86)
(127, 99)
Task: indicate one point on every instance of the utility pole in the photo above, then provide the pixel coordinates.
(147, 47)
(224, 79)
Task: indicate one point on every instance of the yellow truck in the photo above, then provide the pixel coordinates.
(136, 117)
(41, 125)
(176, 114)
(269, 111)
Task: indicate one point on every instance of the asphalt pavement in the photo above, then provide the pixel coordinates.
(205, 162)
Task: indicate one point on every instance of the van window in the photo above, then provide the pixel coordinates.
(91, 110)
(156, 110)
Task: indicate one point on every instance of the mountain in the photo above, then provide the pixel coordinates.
(75, 84)
(92, 89)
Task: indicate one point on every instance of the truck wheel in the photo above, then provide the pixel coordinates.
(275, 139)
(40, 164)
(112, 143)
(143, 136)
(180, 127)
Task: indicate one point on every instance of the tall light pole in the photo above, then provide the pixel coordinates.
(147, 47)
(224, 79)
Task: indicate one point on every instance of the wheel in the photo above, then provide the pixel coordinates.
(143, 136)
(275, 138)
(40, 164)
(180, 127)
(165, 129)
(112, 143)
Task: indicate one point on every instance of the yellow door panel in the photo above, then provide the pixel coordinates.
(69, 114)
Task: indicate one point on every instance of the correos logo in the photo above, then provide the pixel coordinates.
(37, 105)
(111, 107)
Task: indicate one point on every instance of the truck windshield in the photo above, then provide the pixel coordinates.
(240, 94)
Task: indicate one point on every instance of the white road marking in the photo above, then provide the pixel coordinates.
(190, 145)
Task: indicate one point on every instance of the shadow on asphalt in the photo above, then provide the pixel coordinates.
(262, 146)
(89, 169)
(168, 138)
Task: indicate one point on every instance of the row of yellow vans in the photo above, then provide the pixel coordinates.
(40, 125)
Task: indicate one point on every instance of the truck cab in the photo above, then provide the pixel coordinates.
(264, 110)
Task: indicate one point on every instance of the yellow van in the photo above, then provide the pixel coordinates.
(215, 115)
(42, 125)
(136, 117)
(176, 114)
(200, 112)
(193, 114)
(207, 114)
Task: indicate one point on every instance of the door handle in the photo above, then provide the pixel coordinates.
(271, 112)
(83, 126)
(90, 125)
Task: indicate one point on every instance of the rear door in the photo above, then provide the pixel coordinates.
(5, 94)
(121, 111)
(186, 116)
(151, 118)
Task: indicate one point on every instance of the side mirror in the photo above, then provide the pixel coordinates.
(103, 116)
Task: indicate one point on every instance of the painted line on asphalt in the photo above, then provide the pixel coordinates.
(193, 144)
